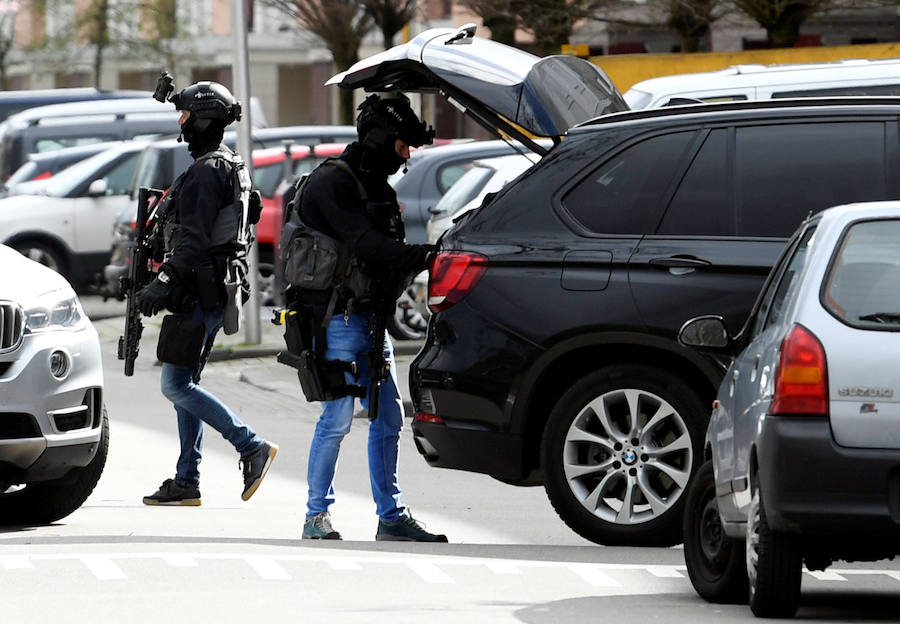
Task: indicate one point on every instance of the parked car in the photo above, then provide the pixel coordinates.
(66, 225)
(486, 176)
(763, 82)
(12, 102)
(44, 165)
(552, 356)
(431, 172)
(48, 128)
(803, 443)
(54, 431)
(268, 173)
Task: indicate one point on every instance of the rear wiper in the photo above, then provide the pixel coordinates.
(882, 317)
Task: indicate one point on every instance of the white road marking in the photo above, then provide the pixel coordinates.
(664, 571)
(268, 569)
(826, 575)
(343, 563)
(594, 575)
(180, 561)
(503, 567)
(16, 562)
(429, 572)
(103, 567)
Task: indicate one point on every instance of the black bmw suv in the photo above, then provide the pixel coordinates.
(552, 355)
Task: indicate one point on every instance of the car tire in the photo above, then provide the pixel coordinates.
(48, 501)
(618, 487)
(774, 564)
(716, 563)
(407, 322)
(43, 253)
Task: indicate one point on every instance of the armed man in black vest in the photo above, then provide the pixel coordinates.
(204, 226)
(353, 203)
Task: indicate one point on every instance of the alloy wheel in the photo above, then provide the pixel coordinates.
(628, 456)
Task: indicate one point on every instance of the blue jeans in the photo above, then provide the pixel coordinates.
(349, 341)
(194, 406)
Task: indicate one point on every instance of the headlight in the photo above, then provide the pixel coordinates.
(54, 310)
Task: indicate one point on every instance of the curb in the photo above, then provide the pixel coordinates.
(225, 353)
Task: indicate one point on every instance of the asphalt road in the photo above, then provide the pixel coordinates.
(510, 558)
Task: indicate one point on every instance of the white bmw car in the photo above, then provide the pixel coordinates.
(54, 431)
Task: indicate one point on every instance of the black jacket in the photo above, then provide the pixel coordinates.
(331, 203)
(208, 186)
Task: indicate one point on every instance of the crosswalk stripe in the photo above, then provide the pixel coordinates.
(180, 561)
(16, 562)
(594, 576)
(268, 569)
(103, 567)
(664, 571)
(503, 567)
(429, 572)
(337, 563)
(826, 575)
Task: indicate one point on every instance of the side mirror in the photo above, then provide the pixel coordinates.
(97, 188)
(705, 332)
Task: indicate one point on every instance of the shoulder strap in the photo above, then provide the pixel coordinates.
(342, 165)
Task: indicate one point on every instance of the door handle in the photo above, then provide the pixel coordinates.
(679, 262)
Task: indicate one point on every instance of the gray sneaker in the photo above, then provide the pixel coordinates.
(255, 465)
(405, 529)
(319, 527)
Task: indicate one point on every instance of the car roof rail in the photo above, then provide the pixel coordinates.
(738, 105)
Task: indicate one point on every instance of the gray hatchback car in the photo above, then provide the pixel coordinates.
(803, 445)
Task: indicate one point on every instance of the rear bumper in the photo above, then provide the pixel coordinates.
(812, 485)
(463, 447)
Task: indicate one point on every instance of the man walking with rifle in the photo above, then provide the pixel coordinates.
(349, 200)
(202, 220)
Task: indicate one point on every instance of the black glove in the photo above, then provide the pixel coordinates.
(418, 258)
(153, 297)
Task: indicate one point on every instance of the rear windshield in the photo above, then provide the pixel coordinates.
(862, 288)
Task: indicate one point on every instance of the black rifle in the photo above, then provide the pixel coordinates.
(139, 275)
(379, 367)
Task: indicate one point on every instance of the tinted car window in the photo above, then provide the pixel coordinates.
(862, 288)
(449, 174)
(893, 89)
(703, 204)
(785, 172)
(622, 196)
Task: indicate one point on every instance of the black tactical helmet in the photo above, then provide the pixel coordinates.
(382, 120)
(207, 101)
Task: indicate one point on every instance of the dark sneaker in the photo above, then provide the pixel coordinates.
(255, 465)
(406, 529)
(319, 527)
(173, 492)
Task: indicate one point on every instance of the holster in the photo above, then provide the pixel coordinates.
(320, 379)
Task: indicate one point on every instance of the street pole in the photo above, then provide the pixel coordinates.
(241, 75)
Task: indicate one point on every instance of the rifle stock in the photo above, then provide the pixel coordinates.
(139, 275)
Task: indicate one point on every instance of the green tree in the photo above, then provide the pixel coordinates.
(341, 25)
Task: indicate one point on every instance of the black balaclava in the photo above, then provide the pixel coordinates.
(201, 141)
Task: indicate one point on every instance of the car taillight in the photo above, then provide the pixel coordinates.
(801, 382)
(452, 276)
(428, 418)
(43, 176)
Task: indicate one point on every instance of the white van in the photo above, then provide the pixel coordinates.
(763, 82)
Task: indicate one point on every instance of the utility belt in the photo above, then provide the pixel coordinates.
(305, 338)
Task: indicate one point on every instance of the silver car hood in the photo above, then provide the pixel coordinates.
(505, 89)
